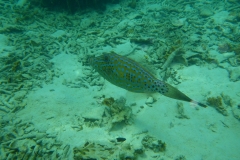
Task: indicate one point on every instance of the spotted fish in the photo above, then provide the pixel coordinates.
(128, 74)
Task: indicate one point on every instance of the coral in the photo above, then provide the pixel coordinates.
(234, 74)
(118, 150)
(228, 100)
(222, 48)
(20, 140)
(175, 53)
(132, 4)
(117, 111)
(236, 49)
(216, 102)
(16, 65)
(12, 29)
(181, 157)
(206, 12)
(93, 151)
(105, 151)
(89, 78)
(153, 144)
(108, 101)
(170, 58)
(178, 22)
(113, 114)
(181, 114)
(234, 61)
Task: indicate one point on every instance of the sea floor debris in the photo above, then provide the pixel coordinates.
(119, 150)
(164, 34)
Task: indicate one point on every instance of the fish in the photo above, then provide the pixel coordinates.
(128, 74)
(121, 139)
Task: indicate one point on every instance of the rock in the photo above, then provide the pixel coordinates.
(20, 95)
(179, 22)
(122, 25)
(86, 22)
(220, 57)
(220, 17)
(27, 76)
(58, 34)
(94, 113)
(150, 100)
(21, 3)
(206, 12)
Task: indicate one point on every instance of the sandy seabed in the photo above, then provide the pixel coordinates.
(54, 105)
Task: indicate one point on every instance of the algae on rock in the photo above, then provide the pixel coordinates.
(116, 111)
(217, 103)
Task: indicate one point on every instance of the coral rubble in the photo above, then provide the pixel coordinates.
(217, 103)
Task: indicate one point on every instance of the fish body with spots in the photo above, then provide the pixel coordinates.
(128, 74)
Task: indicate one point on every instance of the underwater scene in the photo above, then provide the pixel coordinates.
(119, 79)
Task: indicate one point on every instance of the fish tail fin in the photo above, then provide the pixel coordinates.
(198, 103)
(174, 93)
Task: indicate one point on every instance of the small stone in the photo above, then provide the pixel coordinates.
(94, 114)
(58, 34)
(133, 104)
(29, 129)
(179, 22)
(122, 25)
(150, 100)
(27, 76)
(20, 95)
(206, 12)
(29, 84)
(86, 22)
